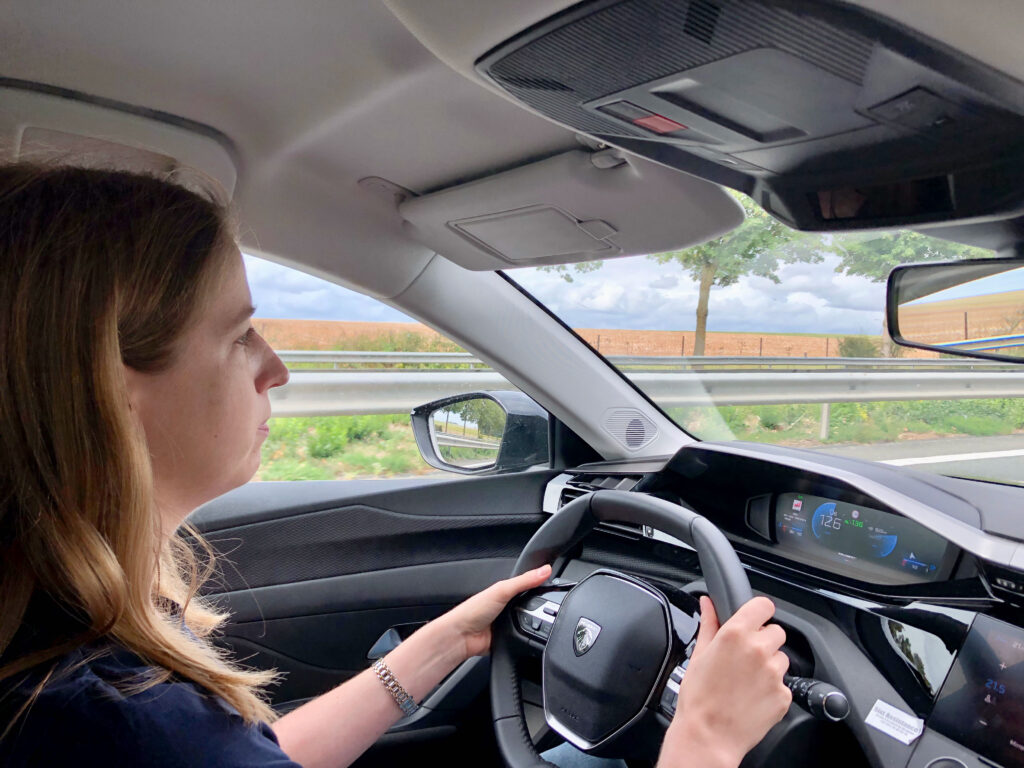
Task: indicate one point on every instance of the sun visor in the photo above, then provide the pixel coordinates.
(37, 125)
(578, 206)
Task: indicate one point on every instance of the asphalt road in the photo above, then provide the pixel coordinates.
(999, 458)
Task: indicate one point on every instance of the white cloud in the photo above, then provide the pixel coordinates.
(633, 292)
(665, 281)
(809, 298)
(282, 292)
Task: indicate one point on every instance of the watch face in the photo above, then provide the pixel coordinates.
(585, 635)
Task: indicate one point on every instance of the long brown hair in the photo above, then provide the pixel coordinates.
(101, 270)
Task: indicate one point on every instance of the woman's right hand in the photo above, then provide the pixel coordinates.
(732, 692)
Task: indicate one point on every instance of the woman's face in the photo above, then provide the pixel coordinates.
(205, 417)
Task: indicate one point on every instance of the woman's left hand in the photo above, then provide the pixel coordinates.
(471, 619)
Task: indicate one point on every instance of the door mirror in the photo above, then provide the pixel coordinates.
(468, 433)
(972, 308)
(482, 433)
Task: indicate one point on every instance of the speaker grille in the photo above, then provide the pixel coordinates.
(630, 427)
(630, 43)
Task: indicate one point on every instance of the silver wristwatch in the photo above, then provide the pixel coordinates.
(401, 696)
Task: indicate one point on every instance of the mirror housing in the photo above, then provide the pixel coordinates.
(523, 443)
(969, 308)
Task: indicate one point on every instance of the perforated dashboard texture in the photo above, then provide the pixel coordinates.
(563, 68)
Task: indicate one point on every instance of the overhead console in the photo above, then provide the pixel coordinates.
(829, 116)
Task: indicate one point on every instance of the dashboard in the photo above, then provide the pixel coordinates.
(905, 590)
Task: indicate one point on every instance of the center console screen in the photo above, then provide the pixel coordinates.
(868, 543)
(981, 704)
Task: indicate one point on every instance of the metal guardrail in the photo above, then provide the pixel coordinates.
(414, 359)
(336, 393)
(458, 441)
(677, 382)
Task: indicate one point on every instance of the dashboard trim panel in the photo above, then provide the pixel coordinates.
(987, 546)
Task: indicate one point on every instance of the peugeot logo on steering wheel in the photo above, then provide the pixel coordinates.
(586, 633)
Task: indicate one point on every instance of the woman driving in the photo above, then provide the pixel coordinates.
(133, 389)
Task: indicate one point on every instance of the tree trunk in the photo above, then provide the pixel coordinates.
(886, 347)
(707, 279)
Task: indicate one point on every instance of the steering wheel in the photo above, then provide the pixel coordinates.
(607, 648)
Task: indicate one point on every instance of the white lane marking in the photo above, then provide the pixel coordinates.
(955, 457)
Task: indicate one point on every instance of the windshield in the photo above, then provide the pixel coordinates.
(777, 336)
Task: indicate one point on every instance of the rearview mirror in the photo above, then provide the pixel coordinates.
(971, 308)
(482, 433)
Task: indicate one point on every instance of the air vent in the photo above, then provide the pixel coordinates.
(580, 485)
(1006, 583)
(630, 427)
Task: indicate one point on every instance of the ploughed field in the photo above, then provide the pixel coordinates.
(414, 337)
(997, 314)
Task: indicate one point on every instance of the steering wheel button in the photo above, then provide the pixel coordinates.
(668, 701)
(676, 676)
(551, 609)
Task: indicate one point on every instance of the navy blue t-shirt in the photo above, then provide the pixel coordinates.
(83, 720)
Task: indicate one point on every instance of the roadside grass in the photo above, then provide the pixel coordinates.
(346, 447)
(879, 422)
(340, 448)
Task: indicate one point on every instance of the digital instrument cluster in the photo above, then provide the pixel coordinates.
(869, 542)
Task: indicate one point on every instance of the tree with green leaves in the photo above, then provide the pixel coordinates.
(483, 413)
(759, 246)
(874, 254)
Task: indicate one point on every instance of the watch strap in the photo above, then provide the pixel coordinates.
(402, 698)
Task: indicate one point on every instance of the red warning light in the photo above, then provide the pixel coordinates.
(659, 124)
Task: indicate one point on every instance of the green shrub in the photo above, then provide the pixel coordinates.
(359, 461)
(399, 462)
(858, 346)
(328, 438)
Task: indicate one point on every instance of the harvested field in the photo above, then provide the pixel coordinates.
(331, 334)
(414, 337)
(996, 314)
(680, 343)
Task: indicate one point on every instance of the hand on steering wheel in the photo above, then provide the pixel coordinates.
(733, 691)
(614, 648)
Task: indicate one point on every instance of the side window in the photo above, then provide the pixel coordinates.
(348, 422)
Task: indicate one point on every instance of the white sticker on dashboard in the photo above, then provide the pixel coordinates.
(894, 722)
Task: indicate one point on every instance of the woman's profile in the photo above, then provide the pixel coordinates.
(133, 389)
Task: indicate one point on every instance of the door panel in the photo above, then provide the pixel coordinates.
(315, 573)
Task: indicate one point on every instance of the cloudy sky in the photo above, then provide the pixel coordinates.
(279, 291)
(632, 292)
